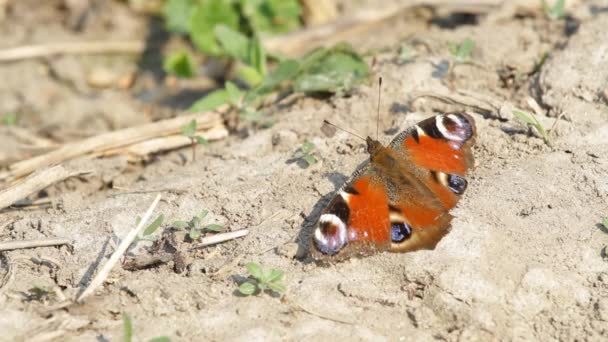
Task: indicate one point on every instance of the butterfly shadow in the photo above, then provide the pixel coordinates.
(310, 220)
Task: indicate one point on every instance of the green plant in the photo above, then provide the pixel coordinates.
(462, 52)
(305, 153)
(127, 331)
(189, 131)
(324, 70)
(9, 119)
(229, 28)
(181, 64)
(605, 222)
(151, 228)
(195, 227)
(405, 54)
(40, 293)
(531, 120)
(260, 281)
(556, 11)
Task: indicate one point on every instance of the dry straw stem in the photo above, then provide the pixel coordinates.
(219, 238)
(34, 183)
(12, 245)
(122, 248)
(50, 49)
(143, 149)
(113, 140)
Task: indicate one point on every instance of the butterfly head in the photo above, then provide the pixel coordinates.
(373, 146)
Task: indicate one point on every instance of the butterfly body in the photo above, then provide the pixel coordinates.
(399, 200)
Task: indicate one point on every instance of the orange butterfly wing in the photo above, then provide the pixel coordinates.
(399, 201)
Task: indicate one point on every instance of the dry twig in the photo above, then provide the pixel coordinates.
(47, 50)
(218, 238)
(122, 248)
(114, 140)
(34, 183)
(11, 245)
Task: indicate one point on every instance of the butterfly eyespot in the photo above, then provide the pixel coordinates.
(400, 231)
(457, 184)
(330, 236)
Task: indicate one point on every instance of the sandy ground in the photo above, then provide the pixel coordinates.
(525, 259)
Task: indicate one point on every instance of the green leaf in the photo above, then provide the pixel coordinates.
(557, 11)
(194, 233)
(203, 214)
(127, 328)
(605, 222)
(307, 147)
(275, 275)
(9, 119)
(336, 71)
(313, 57)
(215, 228)
(195, 222)
(154, 225)
(463, 51)
(211, 101)
(235, 93)
(249, 75)
(525, 117)
(251, 115)
(234, 43)
(247, 288)
(405, 54)
(201, 140)
(160, 339)
(277, 287)
(177, 15)
(180, 64)
(189, 129)
(273, 16)
(531, 119)
(255, 270)
(180, 224)
(206, 16)
(310, 159)
(257, 55)
(286, 70)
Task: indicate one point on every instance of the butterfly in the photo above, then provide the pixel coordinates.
(399, 200)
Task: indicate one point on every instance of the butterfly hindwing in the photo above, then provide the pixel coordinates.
(399, 200)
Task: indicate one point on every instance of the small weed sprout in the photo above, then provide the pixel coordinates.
(605, 222)
(180, 64)
(195, 227)
(260, 281)
(556, 11)
(531, 120)
(9, 119)
(405, 54)
(40, 294)
(151, 228)
(127, 331)
(189, 131)
(305, 153)
(462, 52)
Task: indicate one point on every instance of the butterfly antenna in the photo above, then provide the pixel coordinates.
(378, 111)
(344, 130)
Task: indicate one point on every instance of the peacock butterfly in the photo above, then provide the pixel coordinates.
(399, 200)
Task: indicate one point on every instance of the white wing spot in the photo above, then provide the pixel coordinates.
(444, 131)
